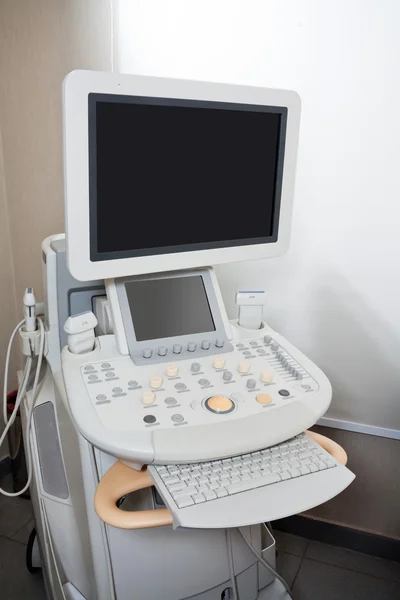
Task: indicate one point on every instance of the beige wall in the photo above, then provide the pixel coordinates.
(40, 42)
(8, 314)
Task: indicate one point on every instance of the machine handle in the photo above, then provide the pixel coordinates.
(121, 480)
(117, 482)
(330, 446)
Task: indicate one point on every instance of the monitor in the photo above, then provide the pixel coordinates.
(165, 174)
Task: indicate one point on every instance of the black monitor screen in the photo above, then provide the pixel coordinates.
(163, 308)
(172, 175)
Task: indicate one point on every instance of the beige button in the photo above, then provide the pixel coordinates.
(148, 397)
(243, 367)
(218, 363)
(264, 398)
(219, 404)
(172, 371)
(156, 382)
(266, 376)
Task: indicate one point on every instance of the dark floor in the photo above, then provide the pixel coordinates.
(315, 571)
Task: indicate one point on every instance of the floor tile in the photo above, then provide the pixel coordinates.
(290, 543)
(22, 535)
(16, 583)
(14, 514)
(356, 561)
(287, 565)
(319, 581)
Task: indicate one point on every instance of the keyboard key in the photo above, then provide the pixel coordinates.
(285, 475)
(182, 501)
(203, 487)
(171, 480)
(202, 479)
(313, 468)
(214, 477)
(198, 498)
(191, 490)
(304, 470)
(294, 472)
(195, 473)
(210, 495)
(177, 487)
(225, 481)
(243, 486)
(161, 470)
(185, 477)
(214, 485)
(221, 492)
(173, 470)
(235, 479)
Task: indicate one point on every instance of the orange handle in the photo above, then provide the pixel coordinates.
(117, 482)
(330, 446)
(121, 480)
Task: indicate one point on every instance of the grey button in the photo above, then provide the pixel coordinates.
(219, 343)
(260, 350)
(253, 343)
(240, 346)
(274, 346)
(195, 367)
(227, 376)
(101, 397)
(170, 401)
(149, 419)
(284, 393)
(306, 386)
(204, 382)
(267, 339)
(205, 344)
(180, 386)
(110, 374)
(177, 418)
(162, 351)
(147, 352)
(247, 353)
(133, 383)
(92, 377)
(177, 348)
(191, 346)
(89, 368)
(105, 366)
(117, 390)
(251, 384)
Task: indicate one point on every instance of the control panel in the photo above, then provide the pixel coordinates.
(260, 393)
(258, 375)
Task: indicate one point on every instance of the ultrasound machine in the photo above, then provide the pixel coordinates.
(162, 436)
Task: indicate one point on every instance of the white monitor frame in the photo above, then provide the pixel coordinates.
(77, 87)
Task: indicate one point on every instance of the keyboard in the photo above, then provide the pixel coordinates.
(198, 483)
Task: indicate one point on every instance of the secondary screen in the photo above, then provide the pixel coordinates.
(162, 308)
(167, 178)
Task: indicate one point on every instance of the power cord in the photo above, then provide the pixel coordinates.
(264, 563)
(228, 535)
(30, 349)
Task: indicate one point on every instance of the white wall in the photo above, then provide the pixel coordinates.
(336, 294)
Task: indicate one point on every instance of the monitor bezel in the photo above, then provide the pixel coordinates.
(78, 85)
